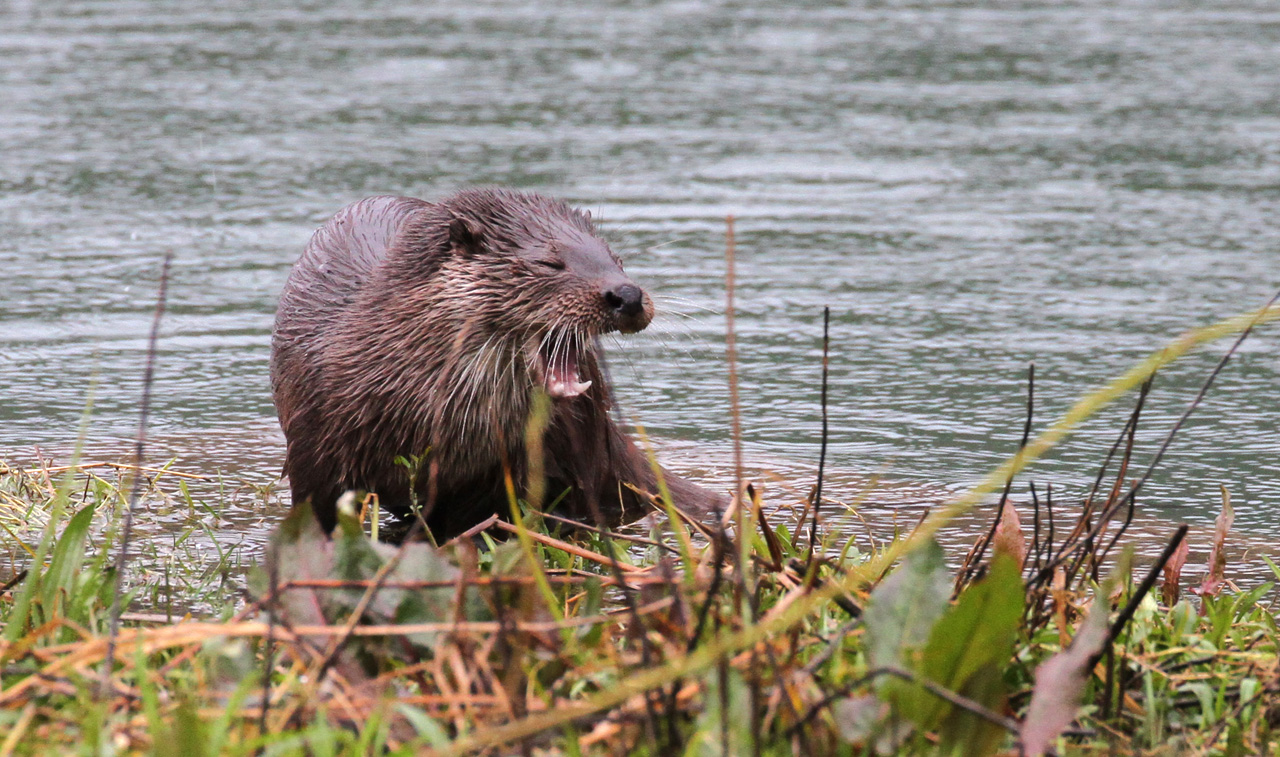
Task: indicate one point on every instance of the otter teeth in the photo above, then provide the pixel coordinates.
(561, 373)
(565, 389)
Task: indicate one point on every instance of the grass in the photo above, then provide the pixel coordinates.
(657, 643)
(462, 650)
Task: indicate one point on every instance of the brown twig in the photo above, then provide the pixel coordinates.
(731, 356)
(127, 467)
(135, 491)
(1182, 419)
(938, 690)
(586, 554)
(1091, 533)
(362, 583)
(1150, 580)
(735, 417)
(822, 451)
(974, 558)
(577, 524)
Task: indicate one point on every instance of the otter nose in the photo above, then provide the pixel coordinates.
(626, 300)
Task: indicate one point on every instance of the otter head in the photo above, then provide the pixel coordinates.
(549, 281)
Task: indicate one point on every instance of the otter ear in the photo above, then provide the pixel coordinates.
(464, 236)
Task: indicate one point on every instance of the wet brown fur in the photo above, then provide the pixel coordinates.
(411, 328)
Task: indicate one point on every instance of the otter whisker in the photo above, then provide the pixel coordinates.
(680, 349)
(668, 243)
(558, 333)
(674, 328)
(558, 350)
(458, 380)
(664, 299)
(627, 359)
(468, 388)
(465, 389)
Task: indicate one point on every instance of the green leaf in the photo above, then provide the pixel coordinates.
(300, 550)
(1274, 568)
(962, 732)
(903, 609)
(710, 738)
(975, 634)
(190, 736)
(68, 557)
(16, 624)
(429, 730)
(591, 604)
(419, 562)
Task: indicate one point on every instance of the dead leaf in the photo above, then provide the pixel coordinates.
(1216, 578)
(1060, 682)
(1009, 539)
(1173, 573)
(1061, 603)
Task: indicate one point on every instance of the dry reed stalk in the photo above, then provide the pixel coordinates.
(19, 730)
(576, 580)
(572, 549)
(124, 467)
(152, 640)
(135, 490)
(633, 538)
(822, 453)
(974, 558)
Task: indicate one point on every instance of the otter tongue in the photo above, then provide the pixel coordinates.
(562, 377)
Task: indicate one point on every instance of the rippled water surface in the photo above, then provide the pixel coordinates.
(968, 188)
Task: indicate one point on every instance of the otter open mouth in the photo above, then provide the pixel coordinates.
(560, 361)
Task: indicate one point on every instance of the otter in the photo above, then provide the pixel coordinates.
(423, 331)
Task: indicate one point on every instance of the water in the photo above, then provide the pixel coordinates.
(968, 188)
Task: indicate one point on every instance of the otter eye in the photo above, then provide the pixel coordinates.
(556, 265)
